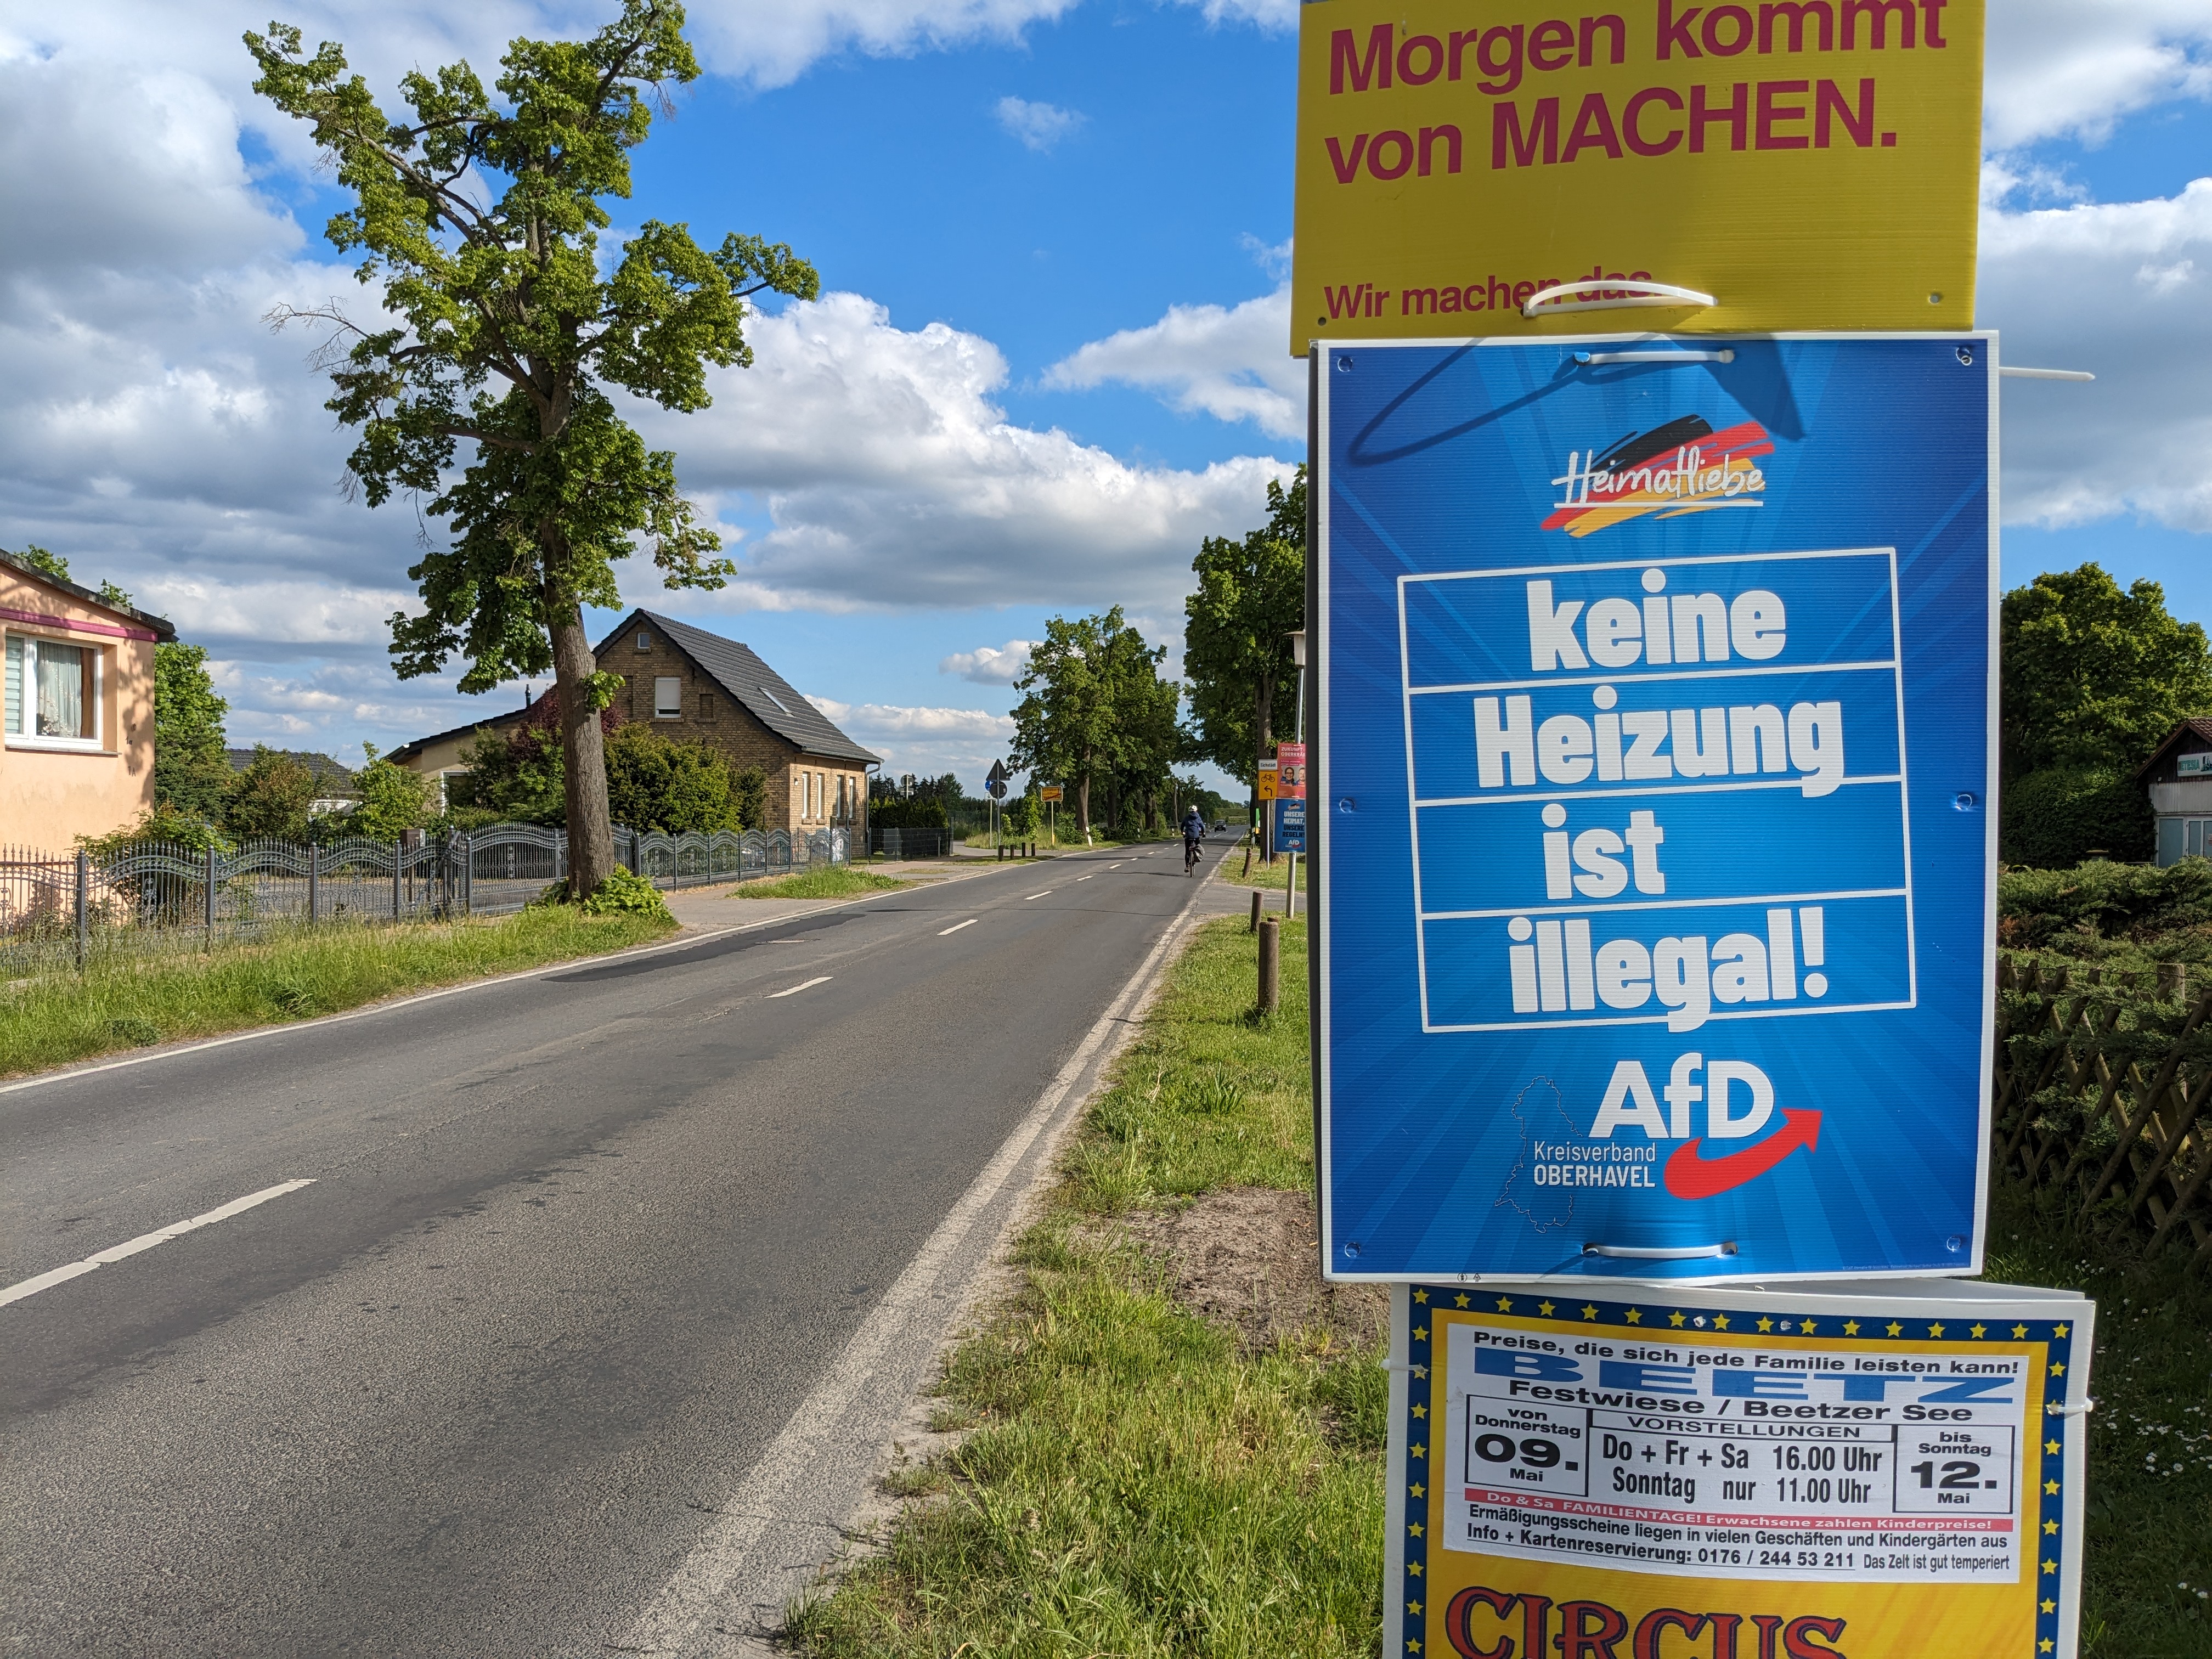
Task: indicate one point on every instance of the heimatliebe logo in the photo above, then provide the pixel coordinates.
(1684, 466)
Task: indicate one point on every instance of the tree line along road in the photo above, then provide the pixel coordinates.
(577, 1245)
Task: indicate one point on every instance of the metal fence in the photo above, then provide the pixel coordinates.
(61, 910)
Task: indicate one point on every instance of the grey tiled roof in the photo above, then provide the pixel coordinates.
(765, 694)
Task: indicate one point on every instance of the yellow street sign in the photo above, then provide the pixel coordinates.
(1805, 164)
(1049, 791)
(1268, 777)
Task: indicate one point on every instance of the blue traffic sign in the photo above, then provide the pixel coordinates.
(1655, 696)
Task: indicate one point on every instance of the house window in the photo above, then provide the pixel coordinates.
(668, 698)
(644, 640)
(53, 694)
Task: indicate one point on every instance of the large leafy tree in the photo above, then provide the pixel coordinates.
(1090, 709)
(1237, 650)
(2091, 676)
(480, 218)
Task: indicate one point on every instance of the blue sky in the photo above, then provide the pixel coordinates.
(1048, 362)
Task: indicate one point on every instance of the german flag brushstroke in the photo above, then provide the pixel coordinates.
(1682, 467)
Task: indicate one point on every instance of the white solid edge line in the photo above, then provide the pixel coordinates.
(807, 985)
(957, 925)
(682, 942)
(687, 1600)
(115, 1253)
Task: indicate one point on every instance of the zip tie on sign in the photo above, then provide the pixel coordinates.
(1661, 1253)
(1594, 358)
(1634, 291)
(2059, 1408)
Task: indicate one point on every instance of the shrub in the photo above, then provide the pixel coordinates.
(922, 812)
(655, 782)
(2058, 817)
(625, 893)
(393, 800)
(271, 797)
(2135, 901)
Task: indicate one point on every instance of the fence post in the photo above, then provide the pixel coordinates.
(397, 853)
(468, 875)
(315, 873)
(84, 905)
(210, 896)
(1271, 964)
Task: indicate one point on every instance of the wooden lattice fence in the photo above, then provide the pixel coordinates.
(2101, 1088)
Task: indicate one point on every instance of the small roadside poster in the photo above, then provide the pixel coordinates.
(1846, 1469)
(1656, 694)
(1290, 825)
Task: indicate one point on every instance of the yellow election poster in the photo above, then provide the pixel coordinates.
(1866, 1470)
(1806, 164)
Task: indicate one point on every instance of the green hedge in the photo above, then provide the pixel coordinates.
(2059, 817)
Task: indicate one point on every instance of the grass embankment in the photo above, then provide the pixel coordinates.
(293, 974)
(1137, 1482)
(824, 881)
(1267, 877)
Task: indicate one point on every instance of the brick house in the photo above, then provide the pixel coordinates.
(702, 688)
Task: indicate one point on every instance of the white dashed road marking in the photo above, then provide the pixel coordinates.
(819, 979)
(1032, 896)
(957, 926)
(147, 1240)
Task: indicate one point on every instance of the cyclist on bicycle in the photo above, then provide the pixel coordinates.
(1194, 832)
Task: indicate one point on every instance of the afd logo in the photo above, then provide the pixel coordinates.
(1682, 467)
(1691, 1172)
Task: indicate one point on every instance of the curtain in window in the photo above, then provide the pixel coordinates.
(15, 686)
(61, 690)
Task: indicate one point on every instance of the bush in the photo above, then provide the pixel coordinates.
(922, 812)
(625, 893)
(656, 783)
(2101, 899)
(393, 800)
(2058, 818)
(271, 797)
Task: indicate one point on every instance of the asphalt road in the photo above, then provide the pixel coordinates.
(577, 1246)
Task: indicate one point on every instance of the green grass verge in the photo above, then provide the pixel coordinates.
(1268, 877)
(1135, 1486)
(296, 973)
(823, 881)
(2147, 1561)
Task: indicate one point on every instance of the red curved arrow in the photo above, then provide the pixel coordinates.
(1690, 1174)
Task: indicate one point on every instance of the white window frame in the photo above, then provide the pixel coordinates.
(673, 708)
(27, 699)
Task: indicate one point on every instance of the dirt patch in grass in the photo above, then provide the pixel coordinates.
(1247, 1258)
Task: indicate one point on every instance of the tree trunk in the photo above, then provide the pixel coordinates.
(583, 756)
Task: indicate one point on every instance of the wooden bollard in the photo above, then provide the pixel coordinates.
(1271, 964)
(1254, 927)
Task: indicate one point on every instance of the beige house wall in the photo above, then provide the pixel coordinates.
(48, 797)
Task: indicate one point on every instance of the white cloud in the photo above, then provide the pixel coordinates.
(1038, 125)
(2060, 67)
(990, 664)
(892, 478)
(1230, 362)
(1273, 17)
(927, 742)
(2123, 290)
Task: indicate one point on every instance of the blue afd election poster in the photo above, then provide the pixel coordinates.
(1653, 806)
